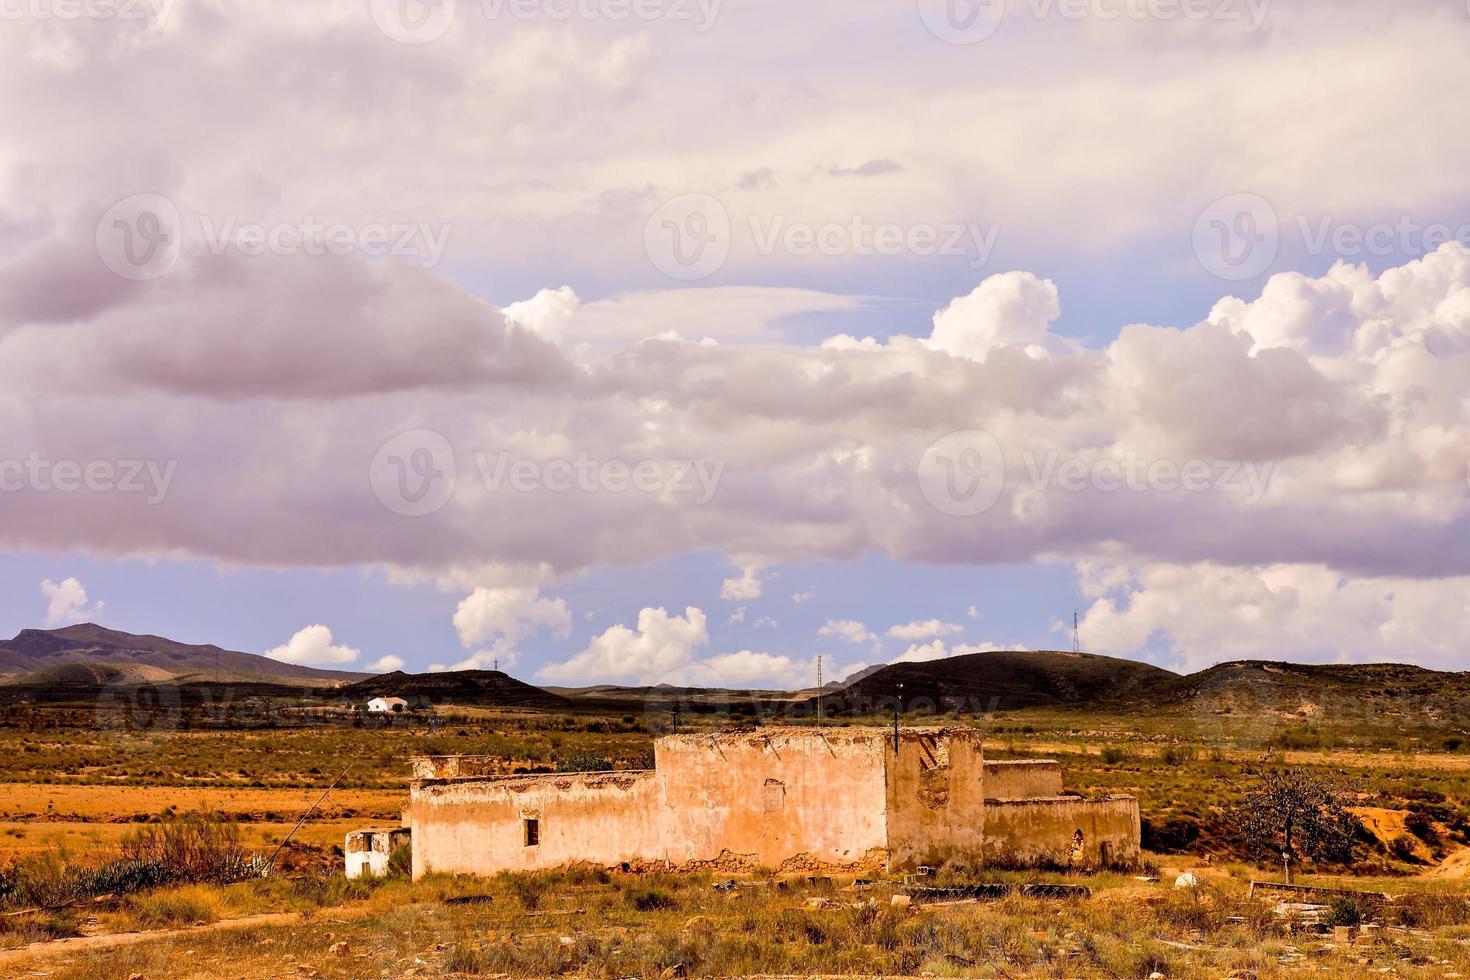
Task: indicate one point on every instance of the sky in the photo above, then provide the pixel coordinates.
(689, 341)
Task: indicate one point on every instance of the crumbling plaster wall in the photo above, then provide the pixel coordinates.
(366, 853)
(772, 799)
(1045, 832)
(478, 826)
(935, 798)
(1022, 779)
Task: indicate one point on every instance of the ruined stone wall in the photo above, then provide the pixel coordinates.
(1046, 832)
(477, 826)
(773, 799)
(936, 797)
(1022, 779)
(795, 800)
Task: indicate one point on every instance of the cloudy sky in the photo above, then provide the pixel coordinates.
(688, 340)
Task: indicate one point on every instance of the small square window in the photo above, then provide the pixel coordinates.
(533, 831)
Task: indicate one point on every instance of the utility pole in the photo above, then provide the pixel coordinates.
(1076, 636)
(310, 810)
(676, 720)
(897, 709)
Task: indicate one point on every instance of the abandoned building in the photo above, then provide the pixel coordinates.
(790, 799)
(368, 852)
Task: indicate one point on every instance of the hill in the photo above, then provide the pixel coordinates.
(482, 687)
(1314, 690)
(1003, 681)
(40, 657)
(88, 674)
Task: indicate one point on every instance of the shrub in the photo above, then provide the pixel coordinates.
(194, 847)
(125, 876)
(527, 888)
(1112, 755)
(1402, 847)
(1344, 911)
(1421, 827)
(1177, 755)
(650, 899)
(400, 862)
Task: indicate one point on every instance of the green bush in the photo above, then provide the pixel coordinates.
(1344, 911)
(400, 862)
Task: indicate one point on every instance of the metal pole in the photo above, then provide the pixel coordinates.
(897, 708)
(308, 813)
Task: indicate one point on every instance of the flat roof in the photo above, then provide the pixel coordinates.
(855, 733)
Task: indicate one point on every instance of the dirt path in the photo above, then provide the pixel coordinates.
(83, 944)
(87, 944)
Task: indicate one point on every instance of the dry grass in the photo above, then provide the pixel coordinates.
(653, 925)
(75, 792)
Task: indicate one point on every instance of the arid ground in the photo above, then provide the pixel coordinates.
(73, 789)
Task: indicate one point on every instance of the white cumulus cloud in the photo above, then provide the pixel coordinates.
(747, 586)
(849, 630)
(1011, 309)
(507, 613)
(313, 647)
(66, 603)
(661, 643)
(1193, 616)
(924, 629)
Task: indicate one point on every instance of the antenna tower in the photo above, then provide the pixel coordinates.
(819, 690)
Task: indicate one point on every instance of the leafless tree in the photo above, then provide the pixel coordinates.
(1293, 812)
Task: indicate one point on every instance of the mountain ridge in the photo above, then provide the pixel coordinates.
(35, 655)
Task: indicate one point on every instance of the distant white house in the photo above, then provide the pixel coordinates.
(386, 706)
